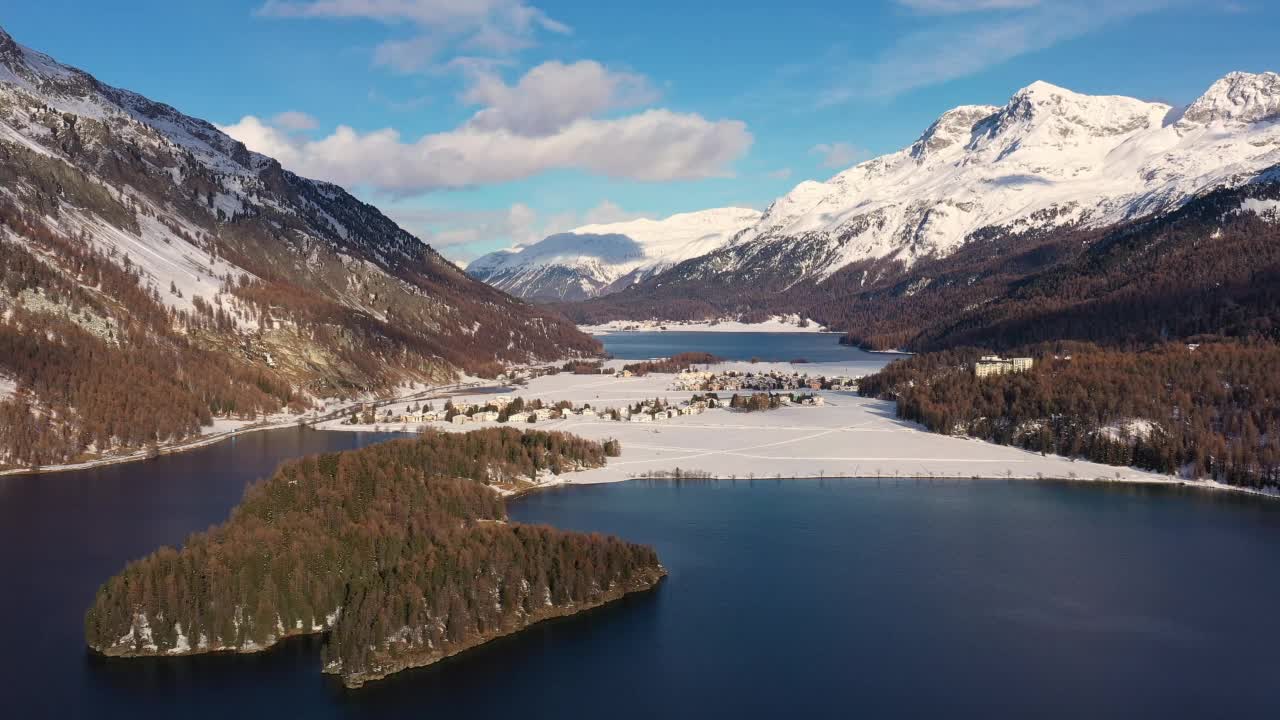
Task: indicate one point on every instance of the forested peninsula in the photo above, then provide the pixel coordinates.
(400, 553)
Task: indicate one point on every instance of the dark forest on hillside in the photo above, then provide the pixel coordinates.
(329, 298)
(113, 368)
(1206, 269)
(399, 551)
(1212, 410)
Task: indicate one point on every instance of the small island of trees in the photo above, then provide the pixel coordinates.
(398, 552)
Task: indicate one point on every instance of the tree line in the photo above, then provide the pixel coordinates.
(1210, 410)
(674, 364)
(398, 551)
(1205, 269)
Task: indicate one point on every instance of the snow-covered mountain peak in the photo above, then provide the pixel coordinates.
(72, 91)
(1239, 97)
(1049, 157)
(679, 228)
(8, 48)
(954, 127)
(1052, 114)
(598, 258)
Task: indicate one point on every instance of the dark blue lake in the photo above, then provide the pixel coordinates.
(786, 598)
(771, 347)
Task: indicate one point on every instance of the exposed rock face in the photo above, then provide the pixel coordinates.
(1239, 98)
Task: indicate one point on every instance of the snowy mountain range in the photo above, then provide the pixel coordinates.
(190, 206)
(1049, 158)
(599, 259)
(130, 231)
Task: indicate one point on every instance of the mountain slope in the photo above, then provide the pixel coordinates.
(603, 258)
(1209, 267)
(146, 248)
(1049, 158)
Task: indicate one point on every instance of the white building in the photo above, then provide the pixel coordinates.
(995, 365)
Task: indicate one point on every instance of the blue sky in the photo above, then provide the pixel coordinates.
(482, 123)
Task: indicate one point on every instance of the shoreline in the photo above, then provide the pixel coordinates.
(789, 324)
(205, 440)
(649, 581)
(1201, 485)
(848, 437)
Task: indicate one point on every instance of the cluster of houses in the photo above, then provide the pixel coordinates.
(733, 381)
(996, 365)
(659, 410)
(463, 413)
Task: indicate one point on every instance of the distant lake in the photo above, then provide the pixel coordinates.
(791, 598)
(772, 347)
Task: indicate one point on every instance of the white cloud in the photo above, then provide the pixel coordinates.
(407, 55)
(494, 26)
(463, 235)
(544, 122)
(952, 48)
(294, 121)
(552, 95)
(839, 155)
(606, 212)
(779, 174)
(947, 7)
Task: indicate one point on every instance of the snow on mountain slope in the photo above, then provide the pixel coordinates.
(217, 234)
(598, 259)
(1050, 157)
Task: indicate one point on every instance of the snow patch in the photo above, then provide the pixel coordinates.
(1268, 209)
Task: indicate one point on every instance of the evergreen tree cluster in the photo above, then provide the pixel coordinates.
(104, 374)
(1205, 269)
(674, 364)
(399, 551)
(1213, 409)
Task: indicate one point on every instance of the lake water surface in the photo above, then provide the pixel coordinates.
(772, 347)
(788, 598)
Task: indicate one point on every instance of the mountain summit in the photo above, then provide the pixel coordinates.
(603, 258)
(150, 260)
(1048, 158)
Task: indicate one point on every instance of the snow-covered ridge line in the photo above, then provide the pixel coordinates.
(1048, 158)
(776, 324)
(602, 258)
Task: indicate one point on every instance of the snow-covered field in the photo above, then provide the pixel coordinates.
(781, 323)
(848, 437)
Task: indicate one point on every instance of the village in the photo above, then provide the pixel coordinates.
(728, 419)
(504, 409)
(764, 381)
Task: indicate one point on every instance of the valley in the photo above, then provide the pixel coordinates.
(397, 358)
(158, 275)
